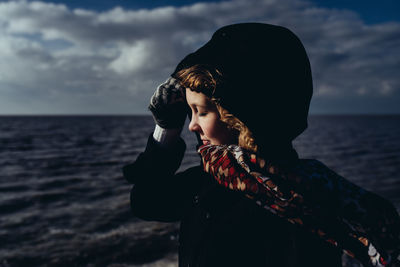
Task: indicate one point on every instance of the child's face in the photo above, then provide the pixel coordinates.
(206, 120)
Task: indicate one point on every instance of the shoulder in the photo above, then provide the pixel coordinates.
(316, 172)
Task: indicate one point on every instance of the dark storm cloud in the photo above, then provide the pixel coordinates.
(58, 60)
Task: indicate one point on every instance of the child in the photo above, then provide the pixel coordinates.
(252, 201)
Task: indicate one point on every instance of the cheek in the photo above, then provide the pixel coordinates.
(210, 126)
(221, 133)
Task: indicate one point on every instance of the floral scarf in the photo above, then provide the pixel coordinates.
(362, 224)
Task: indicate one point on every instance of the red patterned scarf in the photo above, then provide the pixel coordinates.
(364, 225)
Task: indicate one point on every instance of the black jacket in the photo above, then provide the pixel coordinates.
(218, 227)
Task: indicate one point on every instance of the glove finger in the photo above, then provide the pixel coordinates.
(175, 91)
(165, 95)
(155, 99)
(160, 93)
(180, 92)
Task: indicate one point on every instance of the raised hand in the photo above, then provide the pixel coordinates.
(168, 105)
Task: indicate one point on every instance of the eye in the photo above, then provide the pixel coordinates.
(202, 114)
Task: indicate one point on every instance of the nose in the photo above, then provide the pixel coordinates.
(193, 125)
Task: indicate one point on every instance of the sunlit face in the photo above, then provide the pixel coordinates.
(206, 120)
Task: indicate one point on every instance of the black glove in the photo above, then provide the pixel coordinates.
(168, 105)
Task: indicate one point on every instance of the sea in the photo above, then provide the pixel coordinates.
(64, 201)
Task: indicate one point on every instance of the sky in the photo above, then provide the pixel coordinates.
(108, 56)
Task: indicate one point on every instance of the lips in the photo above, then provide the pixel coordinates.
(205, 142)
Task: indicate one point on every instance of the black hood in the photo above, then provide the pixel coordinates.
(267, 81)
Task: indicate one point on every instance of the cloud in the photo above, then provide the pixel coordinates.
(57, 60)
